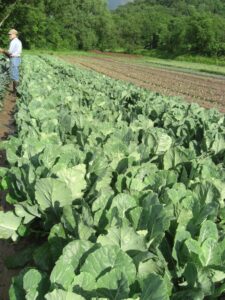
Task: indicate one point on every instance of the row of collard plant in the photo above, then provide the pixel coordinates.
(4, 78)
(118, 191)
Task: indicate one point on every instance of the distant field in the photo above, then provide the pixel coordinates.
(192, 81)
(199, 64)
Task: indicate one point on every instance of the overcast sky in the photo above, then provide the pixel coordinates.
(114, 3)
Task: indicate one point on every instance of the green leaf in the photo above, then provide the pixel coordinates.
(35, 284)
(163, 143)
(176, 156)
(99, 207)
(125, 237)
(70, 219)
(208, 251)
(154, 288)
(30, 284)
(9, 223)
(57, 240)
(122, 202)
(193, 251)
(113, 285)
(84, 282)
(191, 274)
(189, 294)
(43, 257)
(3, 171)
(63, 295)
(108, 258)
(50, 192)
(26, 212)
(64, 271)
(178, 248)
(218, 143)
(206, 192)
(155, 219)
(150, 266)
(62, 274)
(78, 224)
(208, 230)
(75, 179)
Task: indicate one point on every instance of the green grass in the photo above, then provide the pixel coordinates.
(219, 61)
(183, 65)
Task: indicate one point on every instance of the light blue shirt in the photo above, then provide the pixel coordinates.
(15, 48)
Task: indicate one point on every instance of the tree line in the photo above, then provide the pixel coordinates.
(170, 26)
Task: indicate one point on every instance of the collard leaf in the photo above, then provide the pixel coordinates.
(218, 143)
(206, 192)
(208, 251)
(178, 252)
(176, 156)
(99, 207)
(113, 285)
(43, 257)
(147, 267)
(155, 219)
(108, 258)
(154, 288)
(9, 223)
(30, 284)
(51, 192)
(63, 295)
(208, 230)
(64, 271)
(163, 143)
(57, 239)
(35, 284)
(26, 212)
(120, 205)
(193, 251)
(84, 282)
(189, 294)
(74, 179)
(125, 237)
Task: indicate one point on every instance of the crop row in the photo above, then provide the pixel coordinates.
(120, 190)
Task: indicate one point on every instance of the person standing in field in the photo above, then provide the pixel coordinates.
(14, 54)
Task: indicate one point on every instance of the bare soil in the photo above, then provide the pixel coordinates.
(206, 90)
(6, 116)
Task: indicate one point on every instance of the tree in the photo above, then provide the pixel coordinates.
(201, 34)
(6, 8)
(83, 22)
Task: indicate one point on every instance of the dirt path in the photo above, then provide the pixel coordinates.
(6, 116)
(207, 91)
(6, 247)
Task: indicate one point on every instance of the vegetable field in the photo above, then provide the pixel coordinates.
(193, 83)
(120, 191)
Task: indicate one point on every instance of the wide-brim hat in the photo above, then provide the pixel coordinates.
(13, 31)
